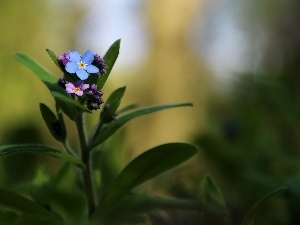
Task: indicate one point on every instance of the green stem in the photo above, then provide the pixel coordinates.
(86, 171)
(68, 149)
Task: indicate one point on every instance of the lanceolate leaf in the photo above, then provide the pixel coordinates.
(127, 108)
(111, 128)
(24, 205)
(249, 218)
(53, 57)
(110, 58)
(38, 149)
(61, 97)
(116, 94)
(145, 167)
(48, 79)
(56, 128)
(112, 104)
(211, 194)
(59, 112)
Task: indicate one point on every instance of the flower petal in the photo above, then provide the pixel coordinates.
(85, 86)
(79, 93)
(70, 85)
(74, 56)
(92, 69)
(88, 57)
(70, 88)
(70, 91)
(71, 67)
(82, 74)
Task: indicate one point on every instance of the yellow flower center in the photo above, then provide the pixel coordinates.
(77, 89)
(81, 65)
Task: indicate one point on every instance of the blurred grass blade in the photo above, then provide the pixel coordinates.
(212, 195)
(111, 128)
(24, 205)
(143, 168)
(38, 149)
(110, 58)
(249, 218)
(211, 192)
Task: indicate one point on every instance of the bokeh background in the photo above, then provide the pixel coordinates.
(237, 61)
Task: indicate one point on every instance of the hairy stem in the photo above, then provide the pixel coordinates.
(86, 171)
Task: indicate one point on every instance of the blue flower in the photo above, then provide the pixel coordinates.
(81, 65)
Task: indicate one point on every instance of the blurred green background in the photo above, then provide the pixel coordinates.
(237, 61)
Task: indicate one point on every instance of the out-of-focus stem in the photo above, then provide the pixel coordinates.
(86, 170)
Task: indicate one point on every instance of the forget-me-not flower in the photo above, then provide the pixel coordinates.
(81, 65)
(77, 88)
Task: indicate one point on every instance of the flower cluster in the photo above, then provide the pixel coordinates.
(80, 68)
(94, 99)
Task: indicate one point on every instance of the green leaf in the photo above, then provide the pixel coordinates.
(250, 216)
(51, 120)
(64, 98)
(145, 167)
(24, 205)
(116, 95)
(110, 58)
(65, 176)
(136, 201)
(112, 104)
(39, 149)
(67, 108)
(211, 194)
(140, 202)
(59, 112)
(48, 79)
(127, 108)
(68, 203)
(53, 57)
(109, 109)
(111, 128)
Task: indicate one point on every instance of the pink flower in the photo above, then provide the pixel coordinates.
(77, 88)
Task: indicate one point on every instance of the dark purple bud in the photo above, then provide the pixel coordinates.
(89, 94)
(94, 99)
(93, 106)
(98, 93)
(93, 87)
(100, 63)
(61, 82)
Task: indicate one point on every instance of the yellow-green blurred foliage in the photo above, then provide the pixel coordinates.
(30, 27)
(172, 72)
